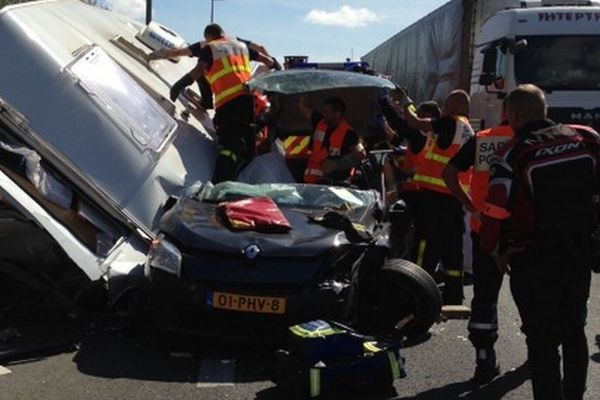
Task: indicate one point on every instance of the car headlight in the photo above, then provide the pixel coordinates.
(165, 256)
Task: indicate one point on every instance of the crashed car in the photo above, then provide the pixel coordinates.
(204, 274)
(115, 176)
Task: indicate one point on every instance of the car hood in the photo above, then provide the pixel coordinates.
(195, 227)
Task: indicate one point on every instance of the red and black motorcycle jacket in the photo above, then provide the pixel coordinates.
(543, 185)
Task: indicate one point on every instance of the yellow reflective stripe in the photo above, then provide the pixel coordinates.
(301, 146)
(437, 157)
(299, 331)
(228, 153)
(227, 69)
(429, 179)
(359, 227)
(315, 382)
(218, 75)
(394, 365)
(421, 254)
(288, 142)
(454, 273)
(229, 92)
(370, 346)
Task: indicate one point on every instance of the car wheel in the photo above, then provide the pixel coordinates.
(407, 301)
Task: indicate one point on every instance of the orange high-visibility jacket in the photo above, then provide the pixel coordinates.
(430, 175)
(314, 172)
(230, 70)
(414, 162)
(487, 143)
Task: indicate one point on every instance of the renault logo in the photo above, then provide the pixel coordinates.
(251, 251)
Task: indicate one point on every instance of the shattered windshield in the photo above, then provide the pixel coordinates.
(560, 63)
(293, 195)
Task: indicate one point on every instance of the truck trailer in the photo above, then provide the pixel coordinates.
(489, 47)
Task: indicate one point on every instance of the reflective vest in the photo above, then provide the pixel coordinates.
(314, 172)
(297, 147)
(230, 70)
(487, 143)
(413, 162)
(429, 176)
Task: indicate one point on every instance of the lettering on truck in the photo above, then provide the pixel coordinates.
(162, 40)
(585, 116)
(569, 16)
(486, 148)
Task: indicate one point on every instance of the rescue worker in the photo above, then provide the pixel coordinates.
(225, 63)
(336, 147)
(487, 278)
(537, 221)
(413, 159)
(441, 221)
(253, 48)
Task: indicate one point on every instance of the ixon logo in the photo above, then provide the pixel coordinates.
(556, 150)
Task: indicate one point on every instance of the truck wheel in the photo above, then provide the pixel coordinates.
(407, 300)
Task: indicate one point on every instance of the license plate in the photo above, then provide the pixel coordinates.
(245, 303)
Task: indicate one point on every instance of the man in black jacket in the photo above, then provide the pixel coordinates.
(537, 221)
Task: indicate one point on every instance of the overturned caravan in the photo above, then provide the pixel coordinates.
(92, 149)
(113, 178)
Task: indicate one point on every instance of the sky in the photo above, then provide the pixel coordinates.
(329, 30)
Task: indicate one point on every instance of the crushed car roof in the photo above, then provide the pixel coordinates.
(304, 81)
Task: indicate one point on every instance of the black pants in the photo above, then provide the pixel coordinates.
(234, 122)
(440, 223)
(413, 201)
(205, 93)
(487, 280)
(550, 283)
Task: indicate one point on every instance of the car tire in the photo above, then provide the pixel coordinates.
(408, 294)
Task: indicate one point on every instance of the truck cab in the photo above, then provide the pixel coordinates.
(552, 44)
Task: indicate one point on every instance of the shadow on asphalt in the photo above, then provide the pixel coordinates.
(34, 337)
(596, 357)
(275, 393)
(497, 389)
(114, 348)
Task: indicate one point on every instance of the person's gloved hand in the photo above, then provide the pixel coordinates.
(158, 54)
(181, 84)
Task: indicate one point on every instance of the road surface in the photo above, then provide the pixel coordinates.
(112, 363)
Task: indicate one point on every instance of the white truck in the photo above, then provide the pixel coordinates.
(488, 47)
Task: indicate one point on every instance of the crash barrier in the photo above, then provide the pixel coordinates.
(326, 358)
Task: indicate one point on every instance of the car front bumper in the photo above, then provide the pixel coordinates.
(185, 303)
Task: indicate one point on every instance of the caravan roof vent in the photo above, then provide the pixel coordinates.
(156, 36)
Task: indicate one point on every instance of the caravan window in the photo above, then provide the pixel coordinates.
(123, 99)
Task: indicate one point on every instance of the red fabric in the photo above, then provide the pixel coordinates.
(257, 214)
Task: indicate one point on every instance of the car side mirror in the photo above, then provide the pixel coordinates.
(488, 72)
(519, 46)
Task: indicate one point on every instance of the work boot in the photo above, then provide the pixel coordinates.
(487, 368)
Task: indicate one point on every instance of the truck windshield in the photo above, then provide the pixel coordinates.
(560, 62)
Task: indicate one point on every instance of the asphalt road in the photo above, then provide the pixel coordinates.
(112, 363)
